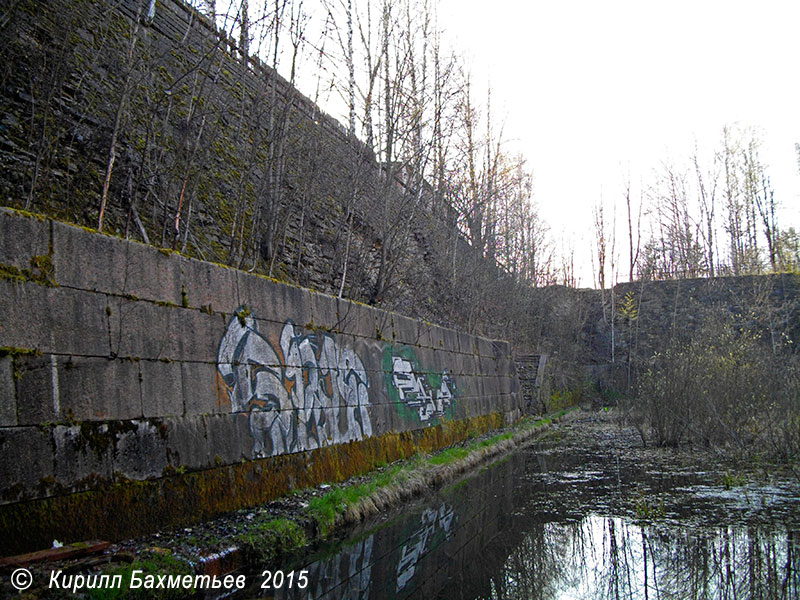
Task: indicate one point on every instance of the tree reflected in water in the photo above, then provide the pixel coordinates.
(561, 525)
(611, 557)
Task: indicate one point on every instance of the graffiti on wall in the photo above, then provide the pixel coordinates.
(305, 392)
(424, 396)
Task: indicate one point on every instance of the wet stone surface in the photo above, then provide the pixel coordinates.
(588, 513)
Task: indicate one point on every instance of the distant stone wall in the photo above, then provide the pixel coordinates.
(140, 388)
(647, 315)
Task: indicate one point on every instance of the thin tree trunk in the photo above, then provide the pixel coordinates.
(112, 151)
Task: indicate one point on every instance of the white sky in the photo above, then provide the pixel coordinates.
(592, 90)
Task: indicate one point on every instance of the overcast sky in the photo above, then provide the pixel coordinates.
(591, 90)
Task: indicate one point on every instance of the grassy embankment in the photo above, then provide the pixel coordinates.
(394, 483)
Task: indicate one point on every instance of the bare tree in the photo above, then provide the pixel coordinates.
(633, 249)
(707, 192)
(601, 243)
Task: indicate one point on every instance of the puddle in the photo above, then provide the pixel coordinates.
(554, 524)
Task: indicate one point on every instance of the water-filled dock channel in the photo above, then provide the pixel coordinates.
(579, 516)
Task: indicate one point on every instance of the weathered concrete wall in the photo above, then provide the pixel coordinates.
(163, 389)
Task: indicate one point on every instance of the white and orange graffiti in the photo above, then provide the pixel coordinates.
(307, 392)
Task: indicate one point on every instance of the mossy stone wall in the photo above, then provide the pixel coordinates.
(134, 382)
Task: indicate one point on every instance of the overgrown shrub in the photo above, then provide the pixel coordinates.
(722, 386)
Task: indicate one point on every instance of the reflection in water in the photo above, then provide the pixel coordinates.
(610, 557)
(348, 572)
(550, 526)
(433, 521)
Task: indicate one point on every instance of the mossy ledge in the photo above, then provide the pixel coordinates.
(353, 503)
(140, 507)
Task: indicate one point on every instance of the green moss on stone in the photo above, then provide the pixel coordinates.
(142, 506)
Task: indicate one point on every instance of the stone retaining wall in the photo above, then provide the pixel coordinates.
(140, 388)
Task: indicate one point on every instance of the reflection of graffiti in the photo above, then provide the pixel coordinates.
(427, 395)
(345, 576)
(431, 522)
(308, 393)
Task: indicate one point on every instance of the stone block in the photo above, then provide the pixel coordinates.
(27, 462)
(21, 238)
(82, 455)
(404, 330)
(485, 347)
(446, 340)
(477, 386)
(502, 349)
(466, 343)
(473, 365)
(37, 389)
(514, 385)
(210, 285)
(505, 385)
(463, 386)
(450, 361)
(94, 261)
(504, 366)
(405, 418)
(358, 319)
(463, 408)
(272, 301)
(203, 389)
(371, 353)
(428, 360)
(455, 361)
(196, 335)
(383, 324)
(345, 315)
(8, 394)
(140, 329)
(187, 442)
(487, 366)
(57, 320)
(229, 438)
(145, 330)
(381, 418)
(491, 385)
(87, 260)
(424, 336)
(152, 274)
(162, 388)
(481, 405)
(437, 338)
(324, 312)
(140, 451)
(98, 389)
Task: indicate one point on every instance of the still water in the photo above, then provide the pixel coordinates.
(595, 517)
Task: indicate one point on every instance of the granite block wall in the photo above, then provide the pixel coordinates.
(123, 364)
